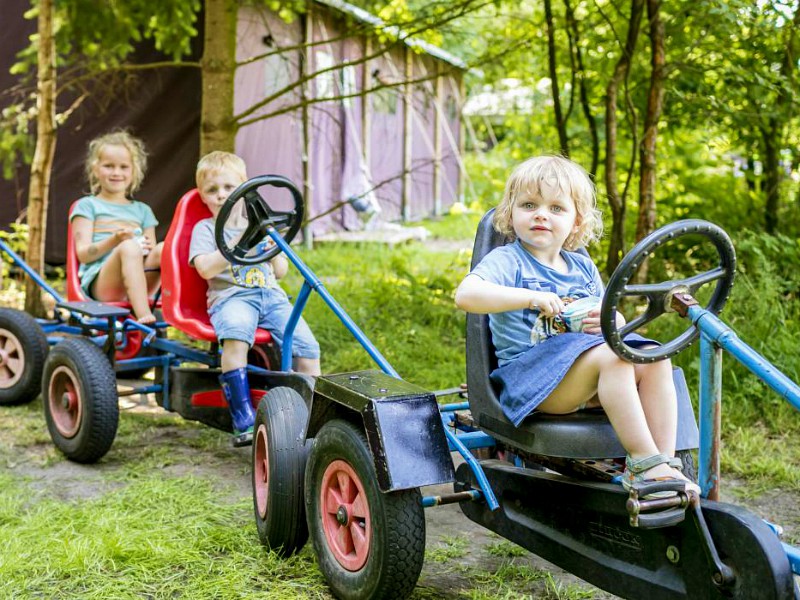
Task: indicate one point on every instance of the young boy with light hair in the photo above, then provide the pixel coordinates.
(241, 298)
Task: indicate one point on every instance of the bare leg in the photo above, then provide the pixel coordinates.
(309, 366)
(659, 402)
(234, 355)
(600, 371)
(152, 262)
(122, 277)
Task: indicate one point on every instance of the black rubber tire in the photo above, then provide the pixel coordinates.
(23, 342)
(84, 432)
(279, 461)
(689, 466)
(397, 521)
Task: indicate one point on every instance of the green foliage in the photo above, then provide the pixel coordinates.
(403, 301)
(100, 39)
(17, 240)
(764, 311)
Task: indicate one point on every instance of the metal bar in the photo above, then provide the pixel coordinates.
(794, 557)
(449, 391)
(470, 495)
(313, 281)
(145, 389)
(710, 417)
(137, 363)
(454, 406)
(30, 272)
(477, 470)
(726, 338)
(474, 439)
(294, 318)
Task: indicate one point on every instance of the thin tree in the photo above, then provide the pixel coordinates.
(42, 163)
(655, 106)
(616, 200)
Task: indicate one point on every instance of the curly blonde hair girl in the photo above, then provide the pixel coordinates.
(134, 146)
(555, 174)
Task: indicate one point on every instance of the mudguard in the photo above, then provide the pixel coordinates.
(402, 422)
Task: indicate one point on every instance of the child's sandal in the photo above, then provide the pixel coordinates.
(634, 469)
(676, 463)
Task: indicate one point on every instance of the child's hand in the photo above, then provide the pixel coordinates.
(548, 303)
(125, 233)
(591, 324)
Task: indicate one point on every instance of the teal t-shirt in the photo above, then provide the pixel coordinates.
(108, 217)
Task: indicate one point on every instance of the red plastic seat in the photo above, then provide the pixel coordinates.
(183, 291)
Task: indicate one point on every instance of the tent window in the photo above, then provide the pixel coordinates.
(326, 82)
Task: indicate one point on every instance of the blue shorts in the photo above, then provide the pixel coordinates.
(237, 317)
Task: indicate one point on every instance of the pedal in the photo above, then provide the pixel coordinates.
(648, 512)
(242, 439)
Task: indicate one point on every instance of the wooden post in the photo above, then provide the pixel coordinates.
(437, 142)
(307, 67)
(408, 97)
(462, 100)
(366, 108)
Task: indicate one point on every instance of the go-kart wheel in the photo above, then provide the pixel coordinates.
(265, 356)
(659, 295)
(79, 393)
(23, 350)
(260, 219)
(369, 544)
(279, 461)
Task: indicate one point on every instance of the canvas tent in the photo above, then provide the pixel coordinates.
(366, 133)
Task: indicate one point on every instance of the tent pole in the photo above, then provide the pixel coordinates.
(366, 109)
(405, 207)
(306, 69)
(437, 143)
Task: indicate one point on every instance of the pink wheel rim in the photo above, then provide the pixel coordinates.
(12, 359)
(261, 471)
(345, 515)
(64, 401)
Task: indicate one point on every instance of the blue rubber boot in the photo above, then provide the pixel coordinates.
(236, 388)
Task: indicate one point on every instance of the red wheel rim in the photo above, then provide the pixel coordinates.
(12, 359)
(261, 471)
(345, 515)
(64, 401)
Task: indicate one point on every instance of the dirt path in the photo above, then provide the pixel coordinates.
(461, 557)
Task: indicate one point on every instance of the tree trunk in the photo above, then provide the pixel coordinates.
(591, 122)
(217, 128)
(42, 164)
(561, 125)
(655, 106)
(617, 201)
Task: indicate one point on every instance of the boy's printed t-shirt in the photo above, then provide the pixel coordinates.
(234, 277)
(515, 331)
(109, 217)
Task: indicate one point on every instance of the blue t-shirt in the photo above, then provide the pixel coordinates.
(107, 218)
(516, 331)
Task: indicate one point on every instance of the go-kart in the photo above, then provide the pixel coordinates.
(342, 458)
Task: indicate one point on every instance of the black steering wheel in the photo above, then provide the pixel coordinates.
(260, 218)
(660, 295)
